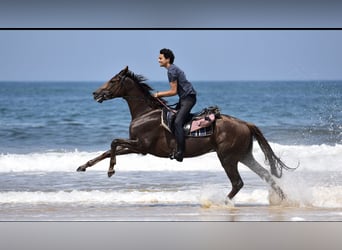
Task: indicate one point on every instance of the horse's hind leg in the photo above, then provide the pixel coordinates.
(231, 169)
(250, 162)
(235, 178)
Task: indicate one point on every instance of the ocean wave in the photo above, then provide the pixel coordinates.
(98, 197)
(311, 158)
(205, 197)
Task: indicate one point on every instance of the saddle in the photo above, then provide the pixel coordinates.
(199, 124)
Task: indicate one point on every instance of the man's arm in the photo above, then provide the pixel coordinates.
(171, 92)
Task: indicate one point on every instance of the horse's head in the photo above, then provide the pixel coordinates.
(112, 88)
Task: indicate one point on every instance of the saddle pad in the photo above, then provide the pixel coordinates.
(203, 122)
(202, 132)
(167, 119)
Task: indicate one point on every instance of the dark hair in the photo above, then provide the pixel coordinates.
(168, 54)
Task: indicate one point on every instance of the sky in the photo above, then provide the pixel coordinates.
(97, 55)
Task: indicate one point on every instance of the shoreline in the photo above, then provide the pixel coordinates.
(169, 213)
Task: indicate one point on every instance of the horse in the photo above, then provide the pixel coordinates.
(232, 138)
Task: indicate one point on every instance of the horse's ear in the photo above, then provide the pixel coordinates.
(124, 71)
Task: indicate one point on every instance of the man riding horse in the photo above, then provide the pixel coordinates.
(232, 138)
(187, 98)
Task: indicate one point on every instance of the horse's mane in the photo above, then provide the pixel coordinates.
(146, 89)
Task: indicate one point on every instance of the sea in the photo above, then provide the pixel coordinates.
(48, 129)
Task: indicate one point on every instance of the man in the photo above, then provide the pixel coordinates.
(187, 97)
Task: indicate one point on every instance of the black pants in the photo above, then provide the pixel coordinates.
(184, 107)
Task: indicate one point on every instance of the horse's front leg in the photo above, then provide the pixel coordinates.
(93, 161)
(131, 146)
(107, 154)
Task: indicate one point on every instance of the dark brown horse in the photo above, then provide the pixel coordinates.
(232, 138)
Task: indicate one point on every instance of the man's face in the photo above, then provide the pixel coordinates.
(163, 62)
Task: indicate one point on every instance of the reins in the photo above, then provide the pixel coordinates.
(167, 107)
(140, 98)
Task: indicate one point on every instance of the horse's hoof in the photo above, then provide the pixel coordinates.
(110, 173)
(81, 169)
(228, 202)
(283, 196)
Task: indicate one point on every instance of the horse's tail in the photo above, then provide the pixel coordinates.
(275, 163)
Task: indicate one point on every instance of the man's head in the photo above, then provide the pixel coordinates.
(166, 57)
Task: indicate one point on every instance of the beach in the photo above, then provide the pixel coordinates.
(50, 129)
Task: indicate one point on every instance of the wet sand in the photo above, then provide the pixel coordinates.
(167, 212)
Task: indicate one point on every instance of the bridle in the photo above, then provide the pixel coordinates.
(122, 79)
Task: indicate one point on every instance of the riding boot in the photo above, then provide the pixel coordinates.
(179, 154)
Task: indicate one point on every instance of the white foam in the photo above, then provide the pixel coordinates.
(100, 197)
(201, 197)
(311, 158)
(69, 161)
(311, 192)
(327, 197)
(298, 192)
(205, 197)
